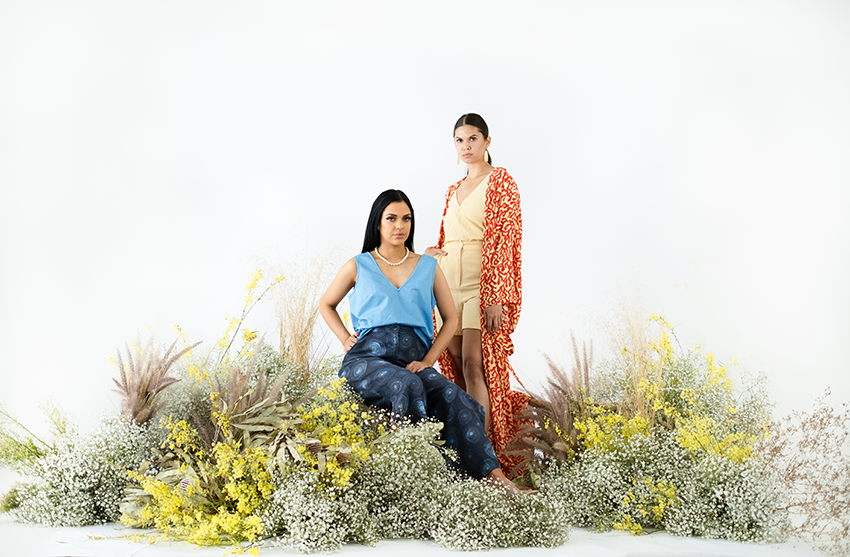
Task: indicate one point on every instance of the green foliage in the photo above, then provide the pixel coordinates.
(11, 500)
(19, 447)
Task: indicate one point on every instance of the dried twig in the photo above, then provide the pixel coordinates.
(810, 452)
(548, 423)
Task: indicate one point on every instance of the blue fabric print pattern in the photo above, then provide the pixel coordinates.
(374, 368)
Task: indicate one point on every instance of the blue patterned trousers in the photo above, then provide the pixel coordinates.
(374, 368)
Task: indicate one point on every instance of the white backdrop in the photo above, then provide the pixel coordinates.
(696, 155)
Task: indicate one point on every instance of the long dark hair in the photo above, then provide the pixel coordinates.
(473, 119)
(372, 239)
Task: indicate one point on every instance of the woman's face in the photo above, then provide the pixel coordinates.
(395, 224)
(470, 144)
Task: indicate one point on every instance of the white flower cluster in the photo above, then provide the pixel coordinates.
(477, 516)
(186, 397)
(406, 491)
(401, 483)
(298, 379)
(301, 515)
(658, 484)
(730, 500)
(409, 488)
(82, 482)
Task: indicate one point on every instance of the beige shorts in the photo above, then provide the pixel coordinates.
(462, 267)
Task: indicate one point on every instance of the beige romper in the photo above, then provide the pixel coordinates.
(464, 232)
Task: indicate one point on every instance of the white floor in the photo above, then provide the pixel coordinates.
(18, 540)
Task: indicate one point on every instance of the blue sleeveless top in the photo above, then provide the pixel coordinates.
(375, 302)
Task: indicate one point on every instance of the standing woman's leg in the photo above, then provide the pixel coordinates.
(465, 347)
(455, 350)
(468, 359)
(473, 371)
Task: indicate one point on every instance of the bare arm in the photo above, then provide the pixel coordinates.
(446, 307)
(341, 285)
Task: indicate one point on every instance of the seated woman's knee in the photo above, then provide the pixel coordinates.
(414, 384)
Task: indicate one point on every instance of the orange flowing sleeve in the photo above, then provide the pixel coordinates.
(501, 269)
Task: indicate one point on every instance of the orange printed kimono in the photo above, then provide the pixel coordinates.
(501, 283)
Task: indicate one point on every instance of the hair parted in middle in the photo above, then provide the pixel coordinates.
(472, 119)
(372, 239)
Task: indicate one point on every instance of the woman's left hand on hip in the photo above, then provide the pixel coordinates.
(416, 366)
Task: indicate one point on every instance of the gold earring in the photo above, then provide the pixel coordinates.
(486, 156)
(458, 159)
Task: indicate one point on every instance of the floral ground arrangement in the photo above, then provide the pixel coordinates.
(245, 445)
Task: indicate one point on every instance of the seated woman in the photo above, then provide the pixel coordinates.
(389, 357)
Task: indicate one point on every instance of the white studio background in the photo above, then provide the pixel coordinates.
(696, 155)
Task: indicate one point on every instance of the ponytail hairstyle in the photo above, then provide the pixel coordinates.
(372, 239)
(477, 121)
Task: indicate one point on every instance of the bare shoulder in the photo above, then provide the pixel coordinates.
(348, 270)
(344, 281)
(438, 272)
(440, 281)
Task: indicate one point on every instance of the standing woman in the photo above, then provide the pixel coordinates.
(480, 253)
(389, 358)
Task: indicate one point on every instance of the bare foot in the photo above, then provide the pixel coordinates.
(498, 478)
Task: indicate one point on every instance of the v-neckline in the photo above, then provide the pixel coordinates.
(460, 203)
(375, 261)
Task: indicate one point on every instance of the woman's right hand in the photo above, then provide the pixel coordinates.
(350, 342)
(435, 252)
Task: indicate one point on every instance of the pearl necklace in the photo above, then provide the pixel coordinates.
(403, 259)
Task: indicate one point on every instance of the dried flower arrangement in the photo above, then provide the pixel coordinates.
(257, 448)
(657, 438)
